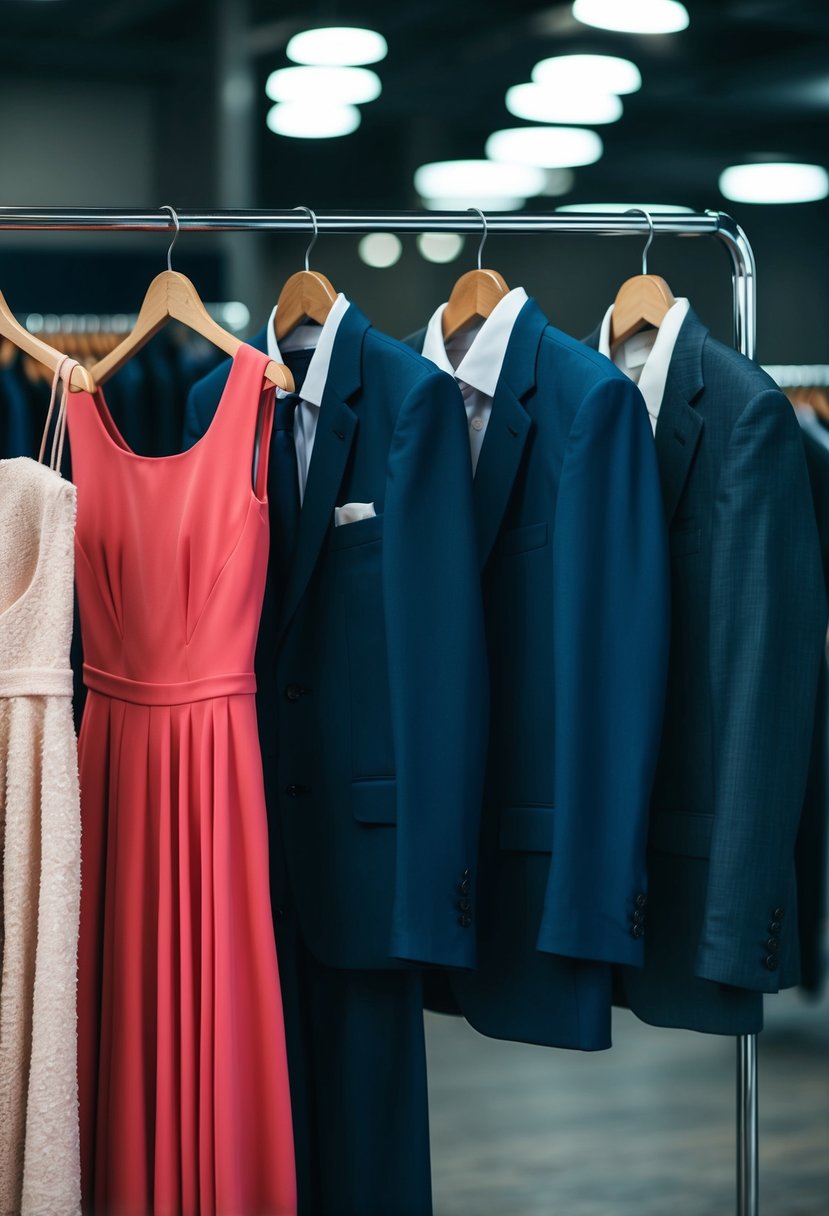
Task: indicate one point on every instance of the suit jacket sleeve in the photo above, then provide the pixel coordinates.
(611, 625)
(437, 672)
(768, 620)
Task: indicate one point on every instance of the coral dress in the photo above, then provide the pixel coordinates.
(184, 1100)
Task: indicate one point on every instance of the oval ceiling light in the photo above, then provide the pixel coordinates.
(440, 247)
(337, 46)
(589, 73)
(654, 208)
(462, 202)
(303, 121)
(539, 103)
(547, 147)
(380, 249)
(774, 183)
(633, 16)
(343, 86)
(478, 179)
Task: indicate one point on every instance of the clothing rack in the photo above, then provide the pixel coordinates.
(709, 223)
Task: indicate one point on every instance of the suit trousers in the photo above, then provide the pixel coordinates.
(357, 1065)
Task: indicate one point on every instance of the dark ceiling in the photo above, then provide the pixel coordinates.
(749, 79)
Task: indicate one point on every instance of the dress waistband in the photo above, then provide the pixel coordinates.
(36, 682)
(142, 693)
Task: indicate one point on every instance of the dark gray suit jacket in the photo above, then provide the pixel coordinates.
(748, 616)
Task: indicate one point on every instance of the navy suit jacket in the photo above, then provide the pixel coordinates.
(747, 629)
(573, 555)
(371, 668)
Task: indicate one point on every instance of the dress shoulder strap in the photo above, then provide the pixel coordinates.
(63, 373)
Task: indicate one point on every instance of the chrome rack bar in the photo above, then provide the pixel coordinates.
(709, 223)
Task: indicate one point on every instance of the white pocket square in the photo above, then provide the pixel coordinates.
(351, 512)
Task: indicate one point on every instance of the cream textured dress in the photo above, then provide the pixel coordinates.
(40, 842)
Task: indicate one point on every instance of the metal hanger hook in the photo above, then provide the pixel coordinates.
(313, 218)
(174, 217)
(649, 241)
(485, 232)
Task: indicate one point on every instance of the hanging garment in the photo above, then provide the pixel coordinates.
(39, 842)
(373, 699)
(748, 622)
(183, 1081)
(573, 558)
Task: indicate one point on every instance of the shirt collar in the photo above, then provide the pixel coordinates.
(313, 386)
(482, 363)
(655, 371)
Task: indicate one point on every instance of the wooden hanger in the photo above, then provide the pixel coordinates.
(474, 295)
(642, 300)
(816, 399)
(41, 352)
(307, 295)
(172, 296)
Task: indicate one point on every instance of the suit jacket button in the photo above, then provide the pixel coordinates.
(638, 930)
(463, 887)
(775, 926)
(464, 905)
(465, 873)
(296, 791)
(773, 945)
(641, 900)
(638, 917)
(295, 692)
(771, 962)
(778, 913)
(465, 920)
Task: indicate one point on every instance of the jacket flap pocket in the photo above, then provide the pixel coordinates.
(683, 832)
(527, 829)
(519, 540)
(358, 533)
(374, 801)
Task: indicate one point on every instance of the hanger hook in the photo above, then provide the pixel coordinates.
(174, 217)
(649, 241)
(485, 232)
(313, 218)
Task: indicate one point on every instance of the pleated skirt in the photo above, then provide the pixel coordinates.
(184, 1099)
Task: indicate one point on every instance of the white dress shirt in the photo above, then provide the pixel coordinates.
(475, 357)
(646, 356)
(310, 392)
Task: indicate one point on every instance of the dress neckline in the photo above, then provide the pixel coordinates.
(116, 440)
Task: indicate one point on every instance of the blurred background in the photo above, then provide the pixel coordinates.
(134, 103)
(208, 104)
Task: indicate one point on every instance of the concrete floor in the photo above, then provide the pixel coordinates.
(646, 1129)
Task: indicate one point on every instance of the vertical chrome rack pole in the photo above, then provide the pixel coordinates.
(710, 223)
(744, 278)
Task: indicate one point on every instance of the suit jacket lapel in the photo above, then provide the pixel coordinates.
(508, 428)
(336, 428)
(680, 426)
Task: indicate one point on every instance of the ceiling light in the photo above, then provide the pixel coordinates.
(633, 16)
(440, 246)
(301, 120)
(654, 208)
(353, 86)
(775, 183)
(559, 181)
(549, 147)
(339, 46)
(589, 73)
(478, 179)
(380, 249)
(539, 103)
(462, 202)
